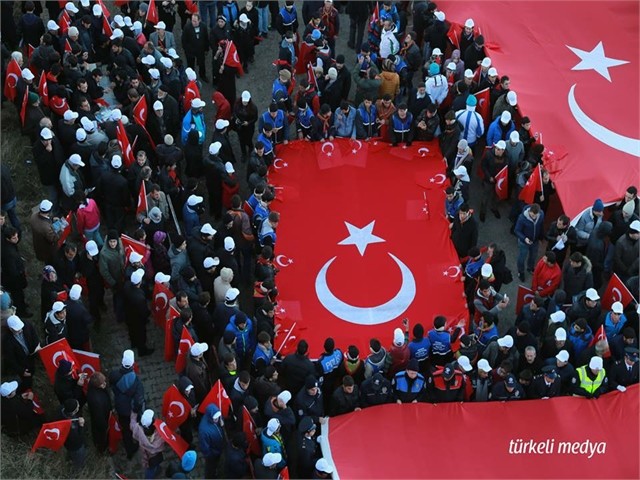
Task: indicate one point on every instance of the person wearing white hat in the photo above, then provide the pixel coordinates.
(52, 26)
(590, 381)
(78, 321)
(55, 325)
(323, 469)
(482, 381)
(500, 350)
(136, 312)
(44, 236)
(493, 163)
(587, 305)
(71, 180)
(194, 120)
(150, 441)
(625, 256)
(269, 465)
(162, 39)
(16, 361)
(191, 211)
(167, 63)
(27, 75)
(615, 320)
(246, 114)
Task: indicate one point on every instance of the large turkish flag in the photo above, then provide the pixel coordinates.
(375, 246)
(574, 66)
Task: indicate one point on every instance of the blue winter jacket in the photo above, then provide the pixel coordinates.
(345, 125)
(494, 133)
(210, 434)
(580, 341)
(612, 330)
(527, 228)
(191, 122)
(244, 337)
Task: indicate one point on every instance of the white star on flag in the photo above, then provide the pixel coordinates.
(596, 60)
(361, 237)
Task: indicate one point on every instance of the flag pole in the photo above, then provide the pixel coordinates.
(173, 214)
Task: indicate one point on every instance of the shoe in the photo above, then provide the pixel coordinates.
(482, 217)
(143, 352)
(496, 213)
(521, 276)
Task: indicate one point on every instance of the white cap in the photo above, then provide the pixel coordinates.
(483, 364)
(285, 396)
(243, 18)
(561, 334)
(486, 62)
(492, 72)
(231, 294)
(229, 244)
(190, 73)
(70, 115)
(506, 341)
(172, 53)
(46, 133)
(464, 363)
(512, 98)
(52, 25)
(246, 96)
(116, 115)
(92, 248)
(272, 426)
(270, 459)
(14, 323)
(323, 466)
(27, 74)
(197, 103)
(229, 167)
(501, 144)
(147, 418)
(155, 74)
(7, 388)
(71, 7)
(207, 229)
(81, 134)
(97, 10)
(617, 307)
(194, 200)
(118, 20)
(117, 33)
(486, 270)
(210, 262)
(557, 317)
(148, 60)
(127, 358)
(135, 257)
(592, 294)
(161, 25)
(514, 137)
(128, 22)
(217, 415)
(76, 159)
(440, 16)
(75, 292)
(505, 117)
(563, 356)
(461, 170)
(162, 278)
(595, 363)
(198, 349)
(136, 277)
(221, 124)
(635, 226)
(436, 51)
(137, 26)
(166, 62)
(157, 105)
(468, 73)
(452, 66)
(45, 206)
(73, 32)
(398, 337)
(214, 148)
(469, 23)
(116, 161)
(58, 307)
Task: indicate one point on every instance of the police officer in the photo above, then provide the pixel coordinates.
(509, 389)
(409, 385)
(590, 381)
(440, 340)
(309, 400)
(625, 372)
(376, 390)
(327, 368)
(547, 385)
(308, 451)
(447, 384)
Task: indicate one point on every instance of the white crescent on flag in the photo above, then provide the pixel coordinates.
(359, 143)
(500, 182)
(435, 178)
(423, 151)
(329, 153)
(278, 163)
(14, 77)
(52, 431)
(180, 406)
(283, 260)
(86, 368)
(456, 271)
(163, 427)
(165, 301)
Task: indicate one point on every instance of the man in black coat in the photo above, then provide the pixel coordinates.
(547, 385)
(78, 320)
(18, 416)
(464, 231)
(19, 347)
(625, 372)
(137, 313)
(345, 398)
(195, 42)
(296, 367)
(14, 276)
(114, 190)
(375, 390)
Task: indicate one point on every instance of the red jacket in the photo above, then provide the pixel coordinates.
(222, 105)
(546, 279)
(87, 217)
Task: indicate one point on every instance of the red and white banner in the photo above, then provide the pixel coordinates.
(598, 336)
(191, 91)
(43, 89)
(133, 245)
(143, 207)
(52, 435)
(249, 429)
(502, 184)
(186, 342)
(53, 353)
(152, 13)
(217, 395)
(125, 146)
(484, 105)
(11, 79)
(160, 304)
(359, 278)
(533, 185)
(525, 295)
(87, 362)
(175, 441)
(231, 58)
(175, 408)
(616, 292)
(169, 343)
(582, 438)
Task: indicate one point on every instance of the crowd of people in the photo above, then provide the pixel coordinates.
(122, 145)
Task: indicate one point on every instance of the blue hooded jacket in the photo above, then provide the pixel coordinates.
(244, 337)
(212, 441)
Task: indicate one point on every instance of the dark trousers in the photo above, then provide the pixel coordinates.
(137, 332)
(127, 435)
(211, 466)
(200, 59)
(356, 32)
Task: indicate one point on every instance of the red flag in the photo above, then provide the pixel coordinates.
(88, 362)
(53, 353)
(533, 185)
(67, 46)
(249, 428)
(43, 89)
(598, 336)
(35, 401)
(176, 442)
(284, 474)
(140, 112)
(191, 6)
(132, 245)
(152, 13)
(114, 433)
(502, 184)
(143, 207)
(160, 305)
(231, 58)
(58, 105)
(125, 147)
(169, 344)
(66, 231)
(11, 80)
(30, 49)
(23, 108)
(106, 26)
(525, 295)
(175, 408)
(217, 395)
(64, 23)
(186, 341)
(484, 105)
(191, 91)
(311, 76)
(454, 34)
(375, 15)
(616, 292)
(52, 435)
(328, 155)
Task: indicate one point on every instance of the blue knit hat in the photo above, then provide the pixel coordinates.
(316, 34)
(189, 460)
(472, 101)
(434, 69)
(598, 206)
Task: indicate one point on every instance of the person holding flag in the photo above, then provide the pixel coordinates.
(19, 416)
(75, 442)
(493, 163)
